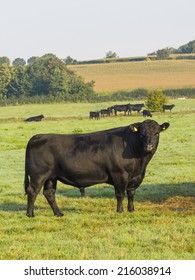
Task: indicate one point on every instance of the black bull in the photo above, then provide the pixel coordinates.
(117, 156)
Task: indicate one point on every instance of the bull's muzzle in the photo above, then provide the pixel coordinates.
(149, 147)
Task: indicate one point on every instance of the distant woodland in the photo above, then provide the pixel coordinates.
(48, 79)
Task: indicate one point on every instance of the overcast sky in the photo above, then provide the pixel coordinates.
(87, 29)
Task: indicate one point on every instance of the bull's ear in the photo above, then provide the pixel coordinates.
(135, 127)
(164, 126)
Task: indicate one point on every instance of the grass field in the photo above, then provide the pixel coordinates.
(160, 74)
(162, 226)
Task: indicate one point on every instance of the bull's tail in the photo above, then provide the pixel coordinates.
(26, 177)
(26, 181)
(35, 141)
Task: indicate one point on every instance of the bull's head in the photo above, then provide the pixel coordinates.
(148, 132)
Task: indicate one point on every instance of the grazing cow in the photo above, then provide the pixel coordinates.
(147, 113)
(95, 115)
(121, 108)
(106, 112)
(168, 107)
(136, 107)
(35, 119)
(117, 156)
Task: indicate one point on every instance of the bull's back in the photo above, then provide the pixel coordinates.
(72, 148)
(42, 145)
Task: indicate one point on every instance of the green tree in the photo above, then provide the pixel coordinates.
(50, 76)
(32, 59)
(59, 82)
(69, 60)
(4, 60)
(162, 54)
(155, 100)
(49, 55)
(5, 78)
(19, 85)
(187, 48)
(43, 76)
(18, 62)
(78, 86)
(111, 54)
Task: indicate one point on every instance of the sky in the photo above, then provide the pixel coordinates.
(88, 29)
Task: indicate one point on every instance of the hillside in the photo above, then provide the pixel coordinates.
(163, 74)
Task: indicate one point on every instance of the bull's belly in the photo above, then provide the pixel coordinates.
(82, 181)
(81, 173)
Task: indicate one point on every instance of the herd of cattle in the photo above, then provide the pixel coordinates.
(127, 109)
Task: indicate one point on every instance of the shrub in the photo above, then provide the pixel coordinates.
(155, 100)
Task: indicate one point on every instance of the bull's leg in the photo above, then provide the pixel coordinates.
(49, 193)
(130, 195)
(120, 194)
(133, 184)
(32, 192)
(82, 191)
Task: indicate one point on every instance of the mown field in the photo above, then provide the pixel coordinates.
(162, 226)
(162, 74)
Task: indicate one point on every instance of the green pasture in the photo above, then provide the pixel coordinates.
(163, 224)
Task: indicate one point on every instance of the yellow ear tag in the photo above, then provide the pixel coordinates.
(164, 128)
(135, 129)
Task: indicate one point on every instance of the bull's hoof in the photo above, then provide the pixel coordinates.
(121, 210)
(131, 209)
(30, 215)
(59, 214)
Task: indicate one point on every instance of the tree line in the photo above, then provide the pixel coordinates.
(164, 53)
(47, 79)
(45, 76)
